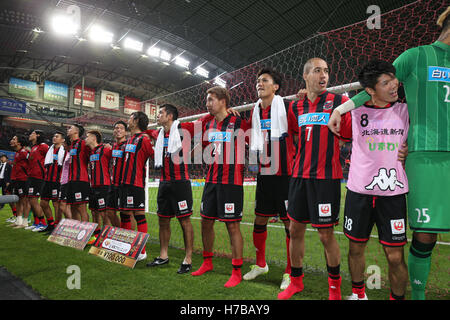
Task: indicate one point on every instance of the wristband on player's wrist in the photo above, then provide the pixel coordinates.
(346, 107)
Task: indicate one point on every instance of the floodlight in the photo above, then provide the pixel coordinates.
(220, 82)
(202, 72)
(153, 51)
(99, 34)
(164, 55)
(182, 62)
(64, 25)
(133, 44)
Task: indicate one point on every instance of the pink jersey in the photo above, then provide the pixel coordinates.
(65, 169)
(378, 134)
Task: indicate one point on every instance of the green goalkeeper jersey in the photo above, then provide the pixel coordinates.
(425, 73)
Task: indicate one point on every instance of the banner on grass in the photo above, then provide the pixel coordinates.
(72, 233)
(119, 245)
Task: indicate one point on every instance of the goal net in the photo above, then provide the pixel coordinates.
(345, 50)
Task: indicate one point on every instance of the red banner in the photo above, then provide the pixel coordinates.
(131, 105)
(88, 96)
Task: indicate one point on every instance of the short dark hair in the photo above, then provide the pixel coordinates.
(276, 76)
(80, 129)
(97, 135)
(369, 74)
(40, 135)
(170, 109)
(22, 139)
(62, 134)
(120, 122)
(141, 118)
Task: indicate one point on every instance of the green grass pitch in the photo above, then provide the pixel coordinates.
(44, 265)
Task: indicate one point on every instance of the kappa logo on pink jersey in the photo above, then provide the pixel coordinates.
(385, 181)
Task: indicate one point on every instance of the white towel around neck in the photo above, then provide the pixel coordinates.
(173, 146)
(278, 123)
(49, 155)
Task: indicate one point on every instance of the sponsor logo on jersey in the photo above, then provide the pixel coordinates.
(229, 207)
(117, 153)
(385, 180)
(438, 74)
(182, 205)
(219, 136)
(265, 124)
(328, 105)
(320, 118)
(130, 200)
(325, 210)
(130, 148)
(398, 226)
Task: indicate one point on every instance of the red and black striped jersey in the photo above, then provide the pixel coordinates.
(19, 170)
(36, 161)
(278, 155)
(318, 148)
(175, 166)
(79, 160)
(138, 149)
(53, 169)
(224, 150)
(117, 154)
(99, 165)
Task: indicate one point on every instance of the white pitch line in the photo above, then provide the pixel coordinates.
(314, 230)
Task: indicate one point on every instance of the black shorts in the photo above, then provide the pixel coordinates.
(113, 199)
(99, 198)
(51, 191)
(62, 196)
(34, 187)
(271, 197)
(387, 212)
(315, 201)
(19, 188)
(174, 199)
(131, 198)
(223, 202)
(78, 192)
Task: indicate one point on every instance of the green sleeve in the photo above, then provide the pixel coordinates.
(360, 98)
(404, 64)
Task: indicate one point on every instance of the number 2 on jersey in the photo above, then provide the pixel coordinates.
(447, 93)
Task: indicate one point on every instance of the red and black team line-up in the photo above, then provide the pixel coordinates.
(298, 164)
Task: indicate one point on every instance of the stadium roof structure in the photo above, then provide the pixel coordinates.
(220, 36)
